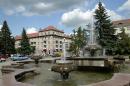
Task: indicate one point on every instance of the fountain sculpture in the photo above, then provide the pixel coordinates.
(63, 66)
(92, 46)
(36, 58)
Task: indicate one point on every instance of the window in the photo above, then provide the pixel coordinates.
(56, 50)
(45, 42)
(60, 42)
(31, 42)
(56, 41)
(34, 42)
(60, 46)
(44, 46)
(56, 46)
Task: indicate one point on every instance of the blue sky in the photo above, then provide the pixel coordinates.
(63, 14)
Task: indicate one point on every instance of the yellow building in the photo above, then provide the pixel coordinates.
(122, 24)
(47, 40)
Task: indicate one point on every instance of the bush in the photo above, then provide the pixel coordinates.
(57, 54)
(119, 57)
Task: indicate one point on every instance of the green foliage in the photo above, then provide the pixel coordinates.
(1, 41)
(73, 48)
(105, 29)
(123, 43)
(18, 50)
(78, 41)
(33, 49)
(25, 48)
(57, 54)
(92, 51)
(7, 41)
(13, 50)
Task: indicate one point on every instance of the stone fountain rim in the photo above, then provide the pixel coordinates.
(63, 62)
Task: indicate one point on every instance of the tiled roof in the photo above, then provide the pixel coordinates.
(125, 22)
(32, 35)
(51, 28)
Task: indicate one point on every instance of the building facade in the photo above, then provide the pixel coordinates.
(47, 40)
(122, 24)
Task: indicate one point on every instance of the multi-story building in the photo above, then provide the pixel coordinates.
(122, 24)
(47, 40)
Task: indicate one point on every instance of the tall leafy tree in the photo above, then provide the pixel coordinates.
(78, 41)
(25, 46)
(123, 43)
(1, 42)
(6, 39)
(13, 50)
(105, 29)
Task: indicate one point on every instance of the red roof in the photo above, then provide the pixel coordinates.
(32, 35)
(125, 22)
(51, 28)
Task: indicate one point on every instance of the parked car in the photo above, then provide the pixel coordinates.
(18, 57)
(2, 57)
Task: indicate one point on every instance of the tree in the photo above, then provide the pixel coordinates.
(1, 47)
(33, 49)
(6, 39)
(13, 50)
(73, 48)
(78, 41)
(25, 48)
(123, 43)
(105, 30)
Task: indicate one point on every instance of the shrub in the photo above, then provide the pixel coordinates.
(57, 54)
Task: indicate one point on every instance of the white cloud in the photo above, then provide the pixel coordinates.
(41, 5)
(20, 8)
(31, 30)
(38, 7)
(9, 12)
(125, 6)
(78, 17)
(113, 15)
(0, 27)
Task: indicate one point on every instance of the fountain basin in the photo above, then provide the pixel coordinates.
(76, 78)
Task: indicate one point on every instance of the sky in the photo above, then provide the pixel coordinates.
(63, 14)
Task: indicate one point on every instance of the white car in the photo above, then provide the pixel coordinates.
(18, 57)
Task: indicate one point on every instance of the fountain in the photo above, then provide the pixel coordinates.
(92, 46)
(63, 66)
(36, 58)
